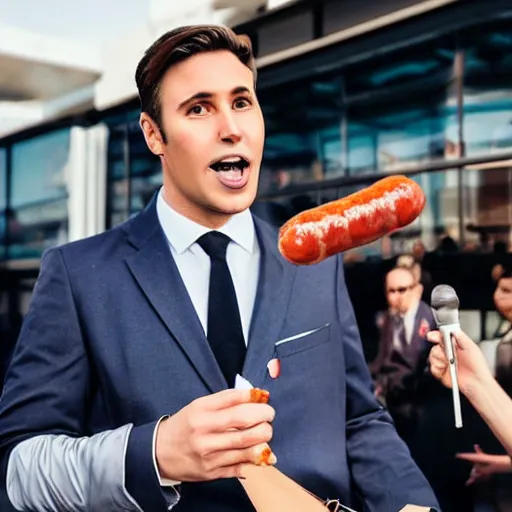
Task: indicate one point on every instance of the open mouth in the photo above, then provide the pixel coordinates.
(230, 165)
(231, 171)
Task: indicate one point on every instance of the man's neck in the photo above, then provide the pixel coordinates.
(202, 216)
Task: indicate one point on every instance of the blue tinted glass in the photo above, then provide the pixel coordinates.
(38, 169)
(39, 194)
(400, 108)
(3, 179)
(303, 129)
(3, 201)
(488, 91)
(134, 173)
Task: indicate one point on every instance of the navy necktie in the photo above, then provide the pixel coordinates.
(399, 329)
(224, 331)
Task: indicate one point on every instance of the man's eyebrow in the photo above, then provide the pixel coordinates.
(203, 95)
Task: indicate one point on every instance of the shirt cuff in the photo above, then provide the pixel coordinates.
(164, 482)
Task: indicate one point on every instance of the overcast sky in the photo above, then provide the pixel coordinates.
(83, 20)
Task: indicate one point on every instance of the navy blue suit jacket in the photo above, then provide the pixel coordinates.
(112, 338)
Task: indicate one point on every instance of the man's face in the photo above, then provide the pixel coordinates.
(503, 297)
(215, 136)
(418, 250)
(400, 288)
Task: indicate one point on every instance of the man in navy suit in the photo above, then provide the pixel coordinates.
(119, 395)
(400, 365)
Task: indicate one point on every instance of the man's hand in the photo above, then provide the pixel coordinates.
(214, 436)
(485, 465)
(472, 368)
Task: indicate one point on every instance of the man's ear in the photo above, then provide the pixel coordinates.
(152, 134)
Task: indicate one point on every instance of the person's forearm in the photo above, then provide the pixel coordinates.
(495, 407)
(57, 472)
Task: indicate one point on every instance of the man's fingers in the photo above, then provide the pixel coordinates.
(231, 397)
(240, 417)
(229, 463)
(230, 471)
(236, 439)
(262, 455)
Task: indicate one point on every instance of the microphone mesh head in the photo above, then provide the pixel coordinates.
(445, 305)
(444, 296)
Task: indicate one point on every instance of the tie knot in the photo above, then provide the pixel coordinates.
(214, 244)
(397, 320)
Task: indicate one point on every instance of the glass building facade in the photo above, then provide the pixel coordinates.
(430, 98)
(335, 121)
(398, 111)
(34, 200)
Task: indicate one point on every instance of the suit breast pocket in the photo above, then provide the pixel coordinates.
(304, 341)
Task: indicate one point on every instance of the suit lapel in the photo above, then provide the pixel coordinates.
(155, 271)
(272, 299)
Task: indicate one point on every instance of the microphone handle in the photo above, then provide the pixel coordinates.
(447, 331)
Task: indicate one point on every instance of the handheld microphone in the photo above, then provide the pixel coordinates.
(445, 307)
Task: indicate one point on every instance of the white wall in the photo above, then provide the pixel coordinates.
(272, 4)
(117, 83)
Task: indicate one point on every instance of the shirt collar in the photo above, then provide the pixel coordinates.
(413, 309)
(182, 232)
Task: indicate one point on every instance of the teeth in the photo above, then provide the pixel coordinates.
(230, 164)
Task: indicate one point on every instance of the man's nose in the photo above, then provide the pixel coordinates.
(229, 131)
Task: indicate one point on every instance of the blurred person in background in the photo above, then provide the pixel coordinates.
(400, 363)
(418, 251)
(502, 274)
(498, 351)
(421, 275)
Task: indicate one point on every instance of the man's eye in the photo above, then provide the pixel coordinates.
(197, 110)
(242, 103)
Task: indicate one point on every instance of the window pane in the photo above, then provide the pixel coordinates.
(3, 201)
(488, 207)
(303, 129)
(39, 194)
(438, 219)
(400, 110)
(134, 173)
(3, 179)
(488, 91)
(146, 171)
(118, 183)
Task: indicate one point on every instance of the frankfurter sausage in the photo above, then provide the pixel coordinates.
(358, 219)
(262, 454)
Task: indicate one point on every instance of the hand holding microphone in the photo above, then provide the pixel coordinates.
(456, 361)
(472, 368)
(445, 307)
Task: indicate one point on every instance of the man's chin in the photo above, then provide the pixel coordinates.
(232, 205)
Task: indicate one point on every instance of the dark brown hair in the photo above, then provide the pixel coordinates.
(178, 45)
